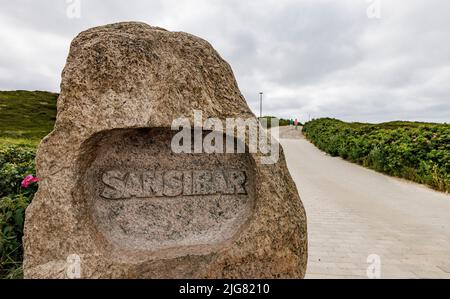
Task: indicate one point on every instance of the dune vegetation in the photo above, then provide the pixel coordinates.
(25, 118)
(416, 151)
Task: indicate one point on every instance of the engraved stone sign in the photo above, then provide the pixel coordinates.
(117, 199)
(144, 198)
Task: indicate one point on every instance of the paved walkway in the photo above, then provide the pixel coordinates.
(354, 212)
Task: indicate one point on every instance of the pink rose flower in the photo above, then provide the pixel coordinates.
(28, 180)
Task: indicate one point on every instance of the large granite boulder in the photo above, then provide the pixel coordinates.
(115, 202)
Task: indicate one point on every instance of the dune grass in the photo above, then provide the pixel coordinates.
(26, 116)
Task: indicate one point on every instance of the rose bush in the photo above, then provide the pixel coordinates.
(17, 189)
(416, 151)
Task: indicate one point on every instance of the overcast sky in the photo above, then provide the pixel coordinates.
(354, 60)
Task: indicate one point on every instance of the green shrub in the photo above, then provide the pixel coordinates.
(268, 123)
(15, 163)
(415, 151)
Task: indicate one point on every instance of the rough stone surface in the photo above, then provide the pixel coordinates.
(113, 193)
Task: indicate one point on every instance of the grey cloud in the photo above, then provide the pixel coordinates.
(310, 57)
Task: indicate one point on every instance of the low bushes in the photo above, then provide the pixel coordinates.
(15, 163)
(416, 151)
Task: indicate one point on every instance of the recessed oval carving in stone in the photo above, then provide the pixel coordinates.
(143, 197)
